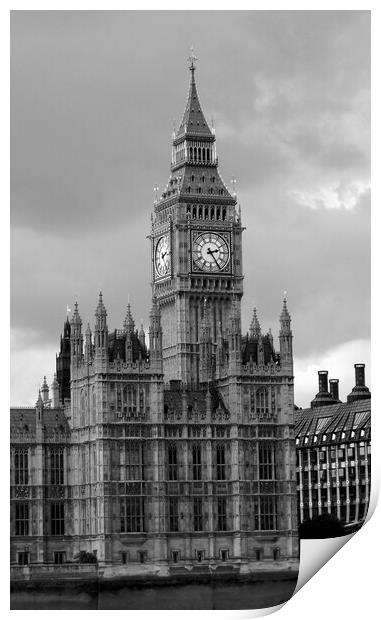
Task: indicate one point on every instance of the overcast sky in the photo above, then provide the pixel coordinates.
(93, 99)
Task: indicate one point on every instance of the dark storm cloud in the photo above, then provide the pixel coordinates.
(93, 99)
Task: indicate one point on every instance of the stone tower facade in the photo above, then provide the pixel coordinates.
(179, 451)
(196, 247)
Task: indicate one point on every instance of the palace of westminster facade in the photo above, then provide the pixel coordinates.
(177, 448)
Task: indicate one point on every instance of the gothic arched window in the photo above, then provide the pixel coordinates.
(262, 401)
(172, 462)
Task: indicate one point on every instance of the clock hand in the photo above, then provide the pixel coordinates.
(162, 256)
(209, 251)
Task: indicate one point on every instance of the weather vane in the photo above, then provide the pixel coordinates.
(192, 60)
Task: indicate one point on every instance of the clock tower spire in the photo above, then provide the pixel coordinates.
(196, 245)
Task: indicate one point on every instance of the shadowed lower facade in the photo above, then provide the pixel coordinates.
(163, 453)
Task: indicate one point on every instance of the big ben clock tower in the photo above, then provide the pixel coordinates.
(196, 247)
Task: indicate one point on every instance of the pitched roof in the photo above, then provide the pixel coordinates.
(23, 423)
(352, 419)
(193, 121)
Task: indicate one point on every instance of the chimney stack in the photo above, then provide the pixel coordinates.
(360, 375)
(323, 397)
(360, 391)
(334, 389)
(323, 380)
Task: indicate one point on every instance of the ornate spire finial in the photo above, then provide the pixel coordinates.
(285, 315)
(75, 318)
(39, 399)
(100, 309)
(255, 327)
(192, 61)
(129, 323)
(67, 310)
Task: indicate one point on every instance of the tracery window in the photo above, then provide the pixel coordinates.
(131, 461)
(221, 514)
(197, 514)
(266, 457)
(131, 514)
(262, 401)
(196, 458)
(268, 512)
(21, 466)
(172, 463)
(57, 519)
(221, 465)
(173, 514)
(56, 466)
(21, 519)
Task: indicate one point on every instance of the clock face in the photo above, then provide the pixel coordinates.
(162, 264)
(210, 252)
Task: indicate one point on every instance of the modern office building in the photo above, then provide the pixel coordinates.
(334, 452)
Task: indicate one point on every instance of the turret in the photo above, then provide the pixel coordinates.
(270, 337)
(285, 335)
(129, 328)
(220, 359)
(76, 338)
(205, 346)
(255, 328)
(100, 330)
(155, 333)
(39, 408)
(142, 336)
(235, 338)
(45, 392)
(66, 334)
(55, 392)
(63, 363)
(88, 345)
(129, 323)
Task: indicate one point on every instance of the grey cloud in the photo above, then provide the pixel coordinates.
(93, 98)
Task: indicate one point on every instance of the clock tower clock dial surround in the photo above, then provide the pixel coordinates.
(211, 252)
(162, 256)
